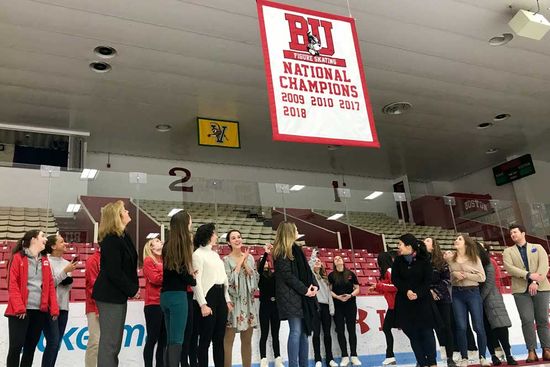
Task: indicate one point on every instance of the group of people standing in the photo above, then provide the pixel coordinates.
(194, 299)
(429, 290)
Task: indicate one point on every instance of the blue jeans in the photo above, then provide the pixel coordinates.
(468, 300)
(298, 346)
(53, 332)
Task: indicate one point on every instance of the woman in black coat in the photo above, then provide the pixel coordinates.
(116, 282)
(412, 275)
(295, 289)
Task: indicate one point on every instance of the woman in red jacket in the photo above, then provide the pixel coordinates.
(386, 287)
(31, 297)
(92, 314)
(154, 320)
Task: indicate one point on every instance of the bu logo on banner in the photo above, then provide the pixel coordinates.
(315, 77)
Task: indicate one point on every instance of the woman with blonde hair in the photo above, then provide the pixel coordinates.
(178, 272)
(116, 282)
(154, 320)
(296, 289)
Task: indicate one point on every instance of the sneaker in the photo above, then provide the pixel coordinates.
(463, 362)
(484, 362)
(355, 361)
(496, 360)
(333, 363)
(279, 362)
(264, 362)
(456, 356)
(389, 361)
(344, 362)
(511, 361)
(473, 356)
(318, 364)
(443, 353)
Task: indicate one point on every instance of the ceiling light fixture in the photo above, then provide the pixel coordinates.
(484, 125)
(174, 211)
(335, 216)
(105, 52)
(491, 151)
(163, 128)
(374, 195)
(501, 117)
(396, 108)
(501, 40)
(100, 67)
(73, 208)
(88, 174)
(297, 187)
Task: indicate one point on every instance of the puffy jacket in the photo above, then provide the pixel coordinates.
(19, 293)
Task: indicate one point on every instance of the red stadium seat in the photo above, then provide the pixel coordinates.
(4, 296)
(79, 273)
(78, 294)
(79, 283)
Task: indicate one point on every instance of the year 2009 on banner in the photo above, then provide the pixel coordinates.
(314, 102)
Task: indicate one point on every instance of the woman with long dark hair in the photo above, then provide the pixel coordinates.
(269, 315)
(117, 280)
(212, 295)
(412, 276)
(439, 288)
(243, 283)
(322, 318)
(31, 299)
(296, 289)
(154, 319)
(495, 318)
(344, 290)
(466, 275)
(386, 287)
(178, 273)
(61, 271)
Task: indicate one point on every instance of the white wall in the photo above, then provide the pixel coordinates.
(21, 187)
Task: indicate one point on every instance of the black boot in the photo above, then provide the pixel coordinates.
(496, 360)
(451, 362)
(172, 355)
(511, 361)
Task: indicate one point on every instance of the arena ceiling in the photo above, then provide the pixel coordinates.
(181, 59)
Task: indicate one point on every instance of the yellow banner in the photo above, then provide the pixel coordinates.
(218, 133)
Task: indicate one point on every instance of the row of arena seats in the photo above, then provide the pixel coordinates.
(360, 261)
(14, 221)
(249, 220)
(392, 228)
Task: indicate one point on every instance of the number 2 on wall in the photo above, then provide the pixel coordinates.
(177, 185)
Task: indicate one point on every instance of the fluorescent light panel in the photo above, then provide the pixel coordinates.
(374, 195)
(152, 235)
(174, 211)
(335, 216)
(88, 174)
(73, 208)
(297, 187)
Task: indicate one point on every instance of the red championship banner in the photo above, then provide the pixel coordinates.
(315, 77)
